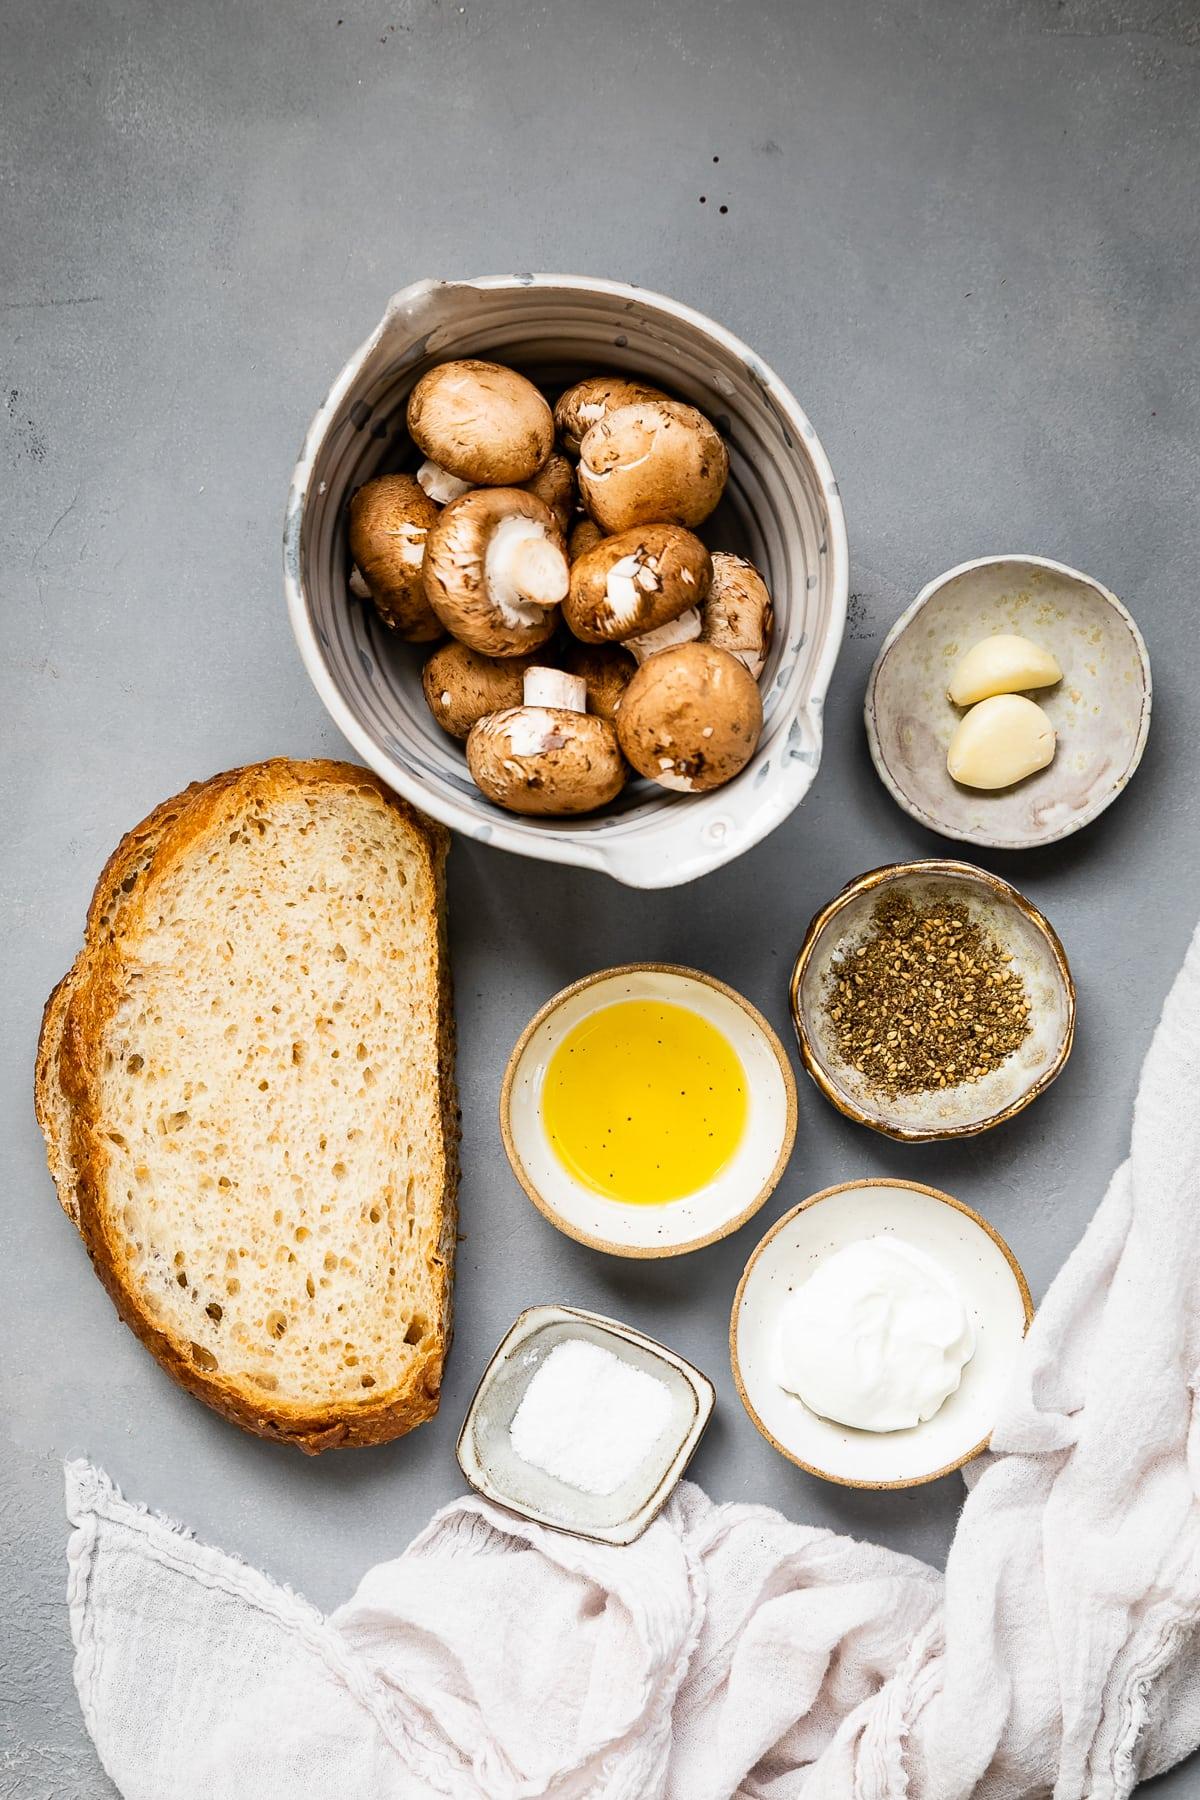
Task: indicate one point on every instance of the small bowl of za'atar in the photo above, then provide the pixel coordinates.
(932, 1000)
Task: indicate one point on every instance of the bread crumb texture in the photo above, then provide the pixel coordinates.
(257, 1062)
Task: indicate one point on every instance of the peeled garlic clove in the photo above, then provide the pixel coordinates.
(1003, 739)
(1004, 664)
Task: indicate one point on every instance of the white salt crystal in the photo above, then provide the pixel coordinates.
(589, 1418)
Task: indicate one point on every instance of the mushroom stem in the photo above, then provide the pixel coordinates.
(554, 687)
(683, 630)
(439, 484)
(538, 570)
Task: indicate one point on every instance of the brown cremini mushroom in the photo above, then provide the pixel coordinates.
(737, 615)
(481, 422)
(584, 537)
(555, 484)
(389, 520)
(461, 686)
(547, 756)
(591, 400)
(635, 582)
(496, 571)
(606, 669)
(691, 718)
(656, 461)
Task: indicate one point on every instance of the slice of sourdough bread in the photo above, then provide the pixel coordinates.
(246, 1088)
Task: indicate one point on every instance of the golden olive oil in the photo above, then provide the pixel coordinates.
(644, 1101)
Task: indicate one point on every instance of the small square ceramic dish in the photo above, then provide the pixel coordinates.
(493, 1468)
(970, 1251)
(1100, 709)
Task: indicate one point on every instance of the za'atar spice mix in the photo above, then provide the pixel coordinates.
(927, 1000)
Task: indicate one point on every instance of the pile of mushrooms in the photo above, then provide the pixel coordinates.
(587, 629)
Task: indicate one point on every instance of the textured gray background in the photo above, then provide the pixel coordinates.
(965, 234)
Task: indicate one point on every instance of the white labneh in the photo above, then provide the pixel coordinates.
(876, 1338)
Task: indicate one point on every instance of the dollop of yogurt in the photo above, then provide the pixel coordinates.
(877, 1337)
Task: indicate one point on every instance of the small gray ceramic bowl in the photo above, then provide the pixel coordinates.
(491, 1465)
(1100, 709)
(1015, 924)
(781, 508)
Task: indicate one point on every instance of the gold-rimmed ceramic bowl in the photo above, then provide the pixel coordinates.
(711, 1212)
(973, 1255)
(1017, 927)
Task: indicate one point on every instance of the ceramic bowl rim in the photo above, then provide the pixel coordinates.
(647, 1252)
(644, 1516)
(843, 1187)
(509, 832)
(1083, 815)
(972, 875)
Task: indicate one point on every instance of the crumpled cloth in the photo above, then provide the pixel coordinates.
(731, 1652)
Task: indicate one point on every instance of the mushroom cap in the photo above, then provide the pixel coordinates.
(584, 537)
(591, 400)
(607, 670)
(738, 615)
(482, 422)
(461, 686)
(546, 760)
(389, 520)
(691, 718)
(555, 484)
(656, 460)
(457, 583)
(635, 582)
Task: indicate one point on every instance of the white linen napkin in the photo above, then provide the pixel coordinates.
(730, 1652)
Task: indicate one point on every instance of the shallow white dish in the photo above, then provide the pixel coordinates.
(487, 1459)
(966, 1246)
(781, 508)
(700, 1218)
(1100, 710)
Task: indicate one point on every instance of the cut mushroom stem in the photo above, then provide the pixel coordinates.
(495, 571)
(440, 485)
(683, 630)
(534, 565)
(554, 687)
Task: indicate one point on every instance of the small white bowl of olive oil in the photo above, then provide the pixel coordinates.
(648, 1110)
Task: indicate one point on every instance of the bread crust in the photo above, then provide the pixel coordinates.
(66, 1083)
(115, 885)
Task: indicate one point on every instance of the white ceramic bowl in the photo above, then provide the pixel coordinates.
(781, 508)
(713, 1211)
(1100, 709)
(489, 1462)
(970, 1251)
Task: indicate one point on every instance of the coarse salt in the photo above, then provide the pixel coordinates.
(589, 1418)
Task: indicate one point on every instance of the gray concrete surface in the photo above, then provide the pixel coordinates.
(966, 234)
